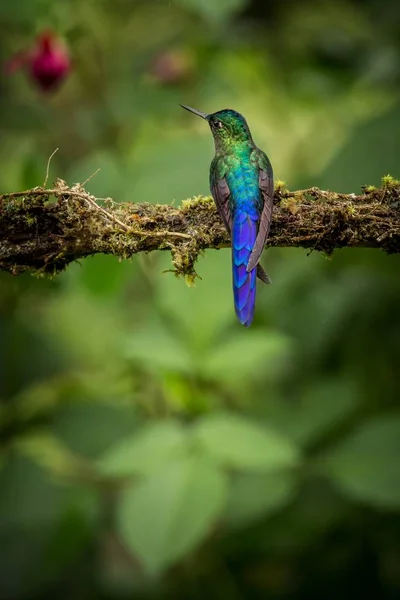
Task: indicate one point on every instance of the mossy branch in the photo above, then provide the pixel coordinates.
(43, 230)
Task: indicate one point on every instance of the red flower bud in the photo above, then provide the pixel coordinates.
(171, 67)
(47, 62)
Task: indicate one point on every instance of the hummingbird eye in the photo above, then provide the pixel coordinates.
(217, 124)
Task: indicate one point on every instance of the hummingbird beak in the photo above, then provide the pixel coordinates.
(195, 112)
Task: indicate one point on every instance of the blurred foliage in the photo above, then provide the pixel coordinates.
(150, 445)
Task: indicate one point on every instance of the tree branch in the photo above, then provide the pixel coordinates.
(43, 230)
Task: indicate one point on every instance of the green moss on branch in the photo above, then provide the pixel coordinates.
(43, 230)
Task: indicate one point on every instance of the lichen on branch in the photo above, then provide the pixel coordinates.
(43, 230)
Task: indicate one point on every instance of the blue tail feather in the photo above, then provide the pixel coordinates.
(244, 233)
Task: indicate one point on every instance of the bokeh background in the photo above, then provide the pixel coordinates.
(150, 446)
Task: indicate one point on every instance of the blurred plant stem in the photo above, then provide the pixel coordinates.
(43, 230)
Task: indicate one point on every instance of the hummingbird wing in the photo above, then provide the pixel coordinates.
(221, 194)
(266, 185)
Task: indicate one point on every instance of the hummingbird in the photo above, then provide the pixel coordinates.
(242, 185)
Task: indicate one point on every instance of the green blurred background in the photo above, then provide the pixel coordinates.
(151, 447)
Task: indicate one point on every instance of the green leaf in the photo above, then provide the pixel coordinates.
(145, 451)
(90, 429)
(366, 464)
(243, 444)
(244, 354)
(50, 453)
(323, 406)
(157, 349)
(170, 513)
(255, 495)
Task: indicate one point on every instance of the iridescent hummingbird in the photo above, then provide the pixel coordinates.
(242, 185)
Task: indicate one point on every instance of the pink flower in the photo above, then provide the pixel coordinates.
(47, 62)
(171, 67)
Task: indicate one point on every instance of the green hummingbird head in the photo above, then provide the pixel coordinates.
(227, 126)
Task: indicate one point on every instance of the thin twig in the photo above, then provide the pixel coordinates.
(48, 167)
(102, 210)
(89, 178)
